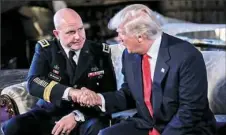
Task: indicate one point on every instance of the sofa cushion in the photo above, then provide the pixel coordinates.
(216, 73)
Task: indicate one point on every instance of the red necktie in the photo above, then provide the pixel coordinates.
(147, 82)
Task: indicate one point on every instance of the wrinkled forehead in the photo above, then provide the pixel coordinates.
(70, 26)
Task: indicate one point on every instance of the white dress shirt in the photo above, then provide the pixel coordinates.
(79, 116)
(153, 53)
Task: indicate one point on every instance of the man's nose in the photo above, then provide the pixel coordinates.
(76, 35)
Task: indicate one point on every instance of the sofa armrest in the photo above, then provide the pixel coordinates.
(20, 96)
(8, 108)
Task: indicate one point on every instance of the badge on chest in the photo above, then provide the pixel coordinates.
(55, 73)
(98, 74)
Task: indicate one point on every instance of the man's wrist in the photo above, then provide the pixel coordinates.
(102, 104)
(99, 101)
(78, 116)
(71, 92)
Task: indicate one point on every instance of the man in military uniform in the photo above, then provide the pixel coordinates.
(59, 73)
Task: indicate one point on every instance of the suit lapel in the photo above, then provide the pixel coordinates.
(137, 74)
(161, 70)
(83, 62)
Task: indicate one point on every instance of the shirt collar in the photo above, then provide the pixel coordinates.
(66, 49)
(154, 49)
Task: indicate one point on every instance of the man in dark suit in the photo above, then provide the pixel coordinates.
(59, 71)
(164, 79)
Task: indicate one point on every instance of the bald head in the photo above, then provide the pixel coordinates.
(66, 16)
(69, 29)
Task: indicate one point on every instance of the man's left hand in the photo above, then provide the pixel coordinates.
(65, 125)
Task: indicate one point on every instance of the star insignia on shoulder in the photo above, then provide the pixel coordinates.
(43, 43)
(106, 48)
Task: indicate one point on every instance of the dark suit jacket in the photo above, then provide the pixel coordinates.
(50, 64)
(179, 89)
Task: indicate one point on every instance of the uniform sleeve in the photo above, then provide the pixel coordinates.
(38, 83)
(109, 81)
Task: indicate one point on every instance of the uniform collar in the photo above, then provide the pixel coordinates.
(66, 50)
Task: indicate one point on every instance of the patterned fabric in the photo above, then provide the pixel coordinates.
(21, 97)
(216, 73)
(116, 51)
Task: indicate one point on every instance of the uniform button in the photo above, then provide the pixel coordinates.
(72, 105)
(97, 83)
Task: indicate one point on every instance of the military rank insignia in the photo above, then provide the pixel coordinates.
(43, 43)
(106, 48)
(47, 91)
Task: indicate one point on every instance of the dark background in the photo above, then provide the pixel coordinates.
(19, 35)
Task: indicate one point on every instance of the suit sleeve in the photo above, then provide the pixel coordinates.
(121, 99)
(192, 96)
(38, 83)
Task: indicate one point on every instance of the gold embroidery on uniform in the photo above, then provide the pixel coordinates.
(47, 91)
(40, 82)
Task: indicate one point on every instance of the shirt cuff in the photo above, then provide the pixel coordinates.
(102, 107)
(65, 95)
(79, 116)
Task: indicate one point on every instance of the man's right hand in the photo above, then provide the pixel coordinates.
(65, 125)
(85, 97)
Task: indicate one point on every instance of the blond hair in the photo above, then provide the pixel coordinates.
(136, 19)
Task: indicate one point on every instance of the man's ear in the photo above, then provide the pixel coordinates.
(56, 34)
(139, 38)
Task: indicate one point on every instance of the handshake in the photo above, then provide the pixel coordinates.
(85, 97)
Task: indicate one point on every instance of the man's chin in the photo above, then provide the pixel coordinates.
(76, 47)
(129, 51)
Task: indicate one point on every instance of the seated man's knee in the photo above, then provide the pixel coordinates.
(102, 132)
(106, 131)
(93, 126)
(12, 126)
